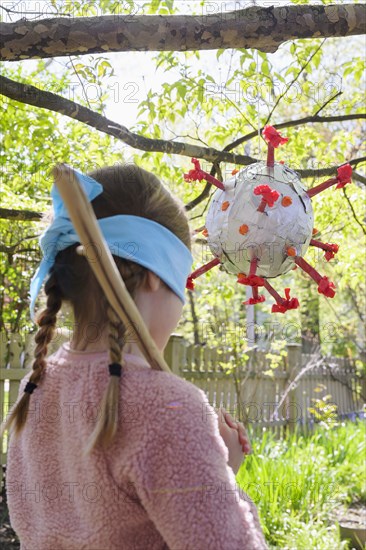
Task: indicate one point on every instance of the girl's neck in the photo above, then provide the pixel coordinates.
(102, 345)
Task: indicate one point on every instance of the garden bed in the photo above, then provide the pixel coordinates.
(352, 524)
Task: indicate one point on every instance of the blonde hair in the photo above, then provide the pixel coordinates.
(127, 189)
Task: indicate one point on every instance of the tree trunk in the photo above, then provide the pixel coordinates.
(195, 321)
(309, 314)
(254, 27)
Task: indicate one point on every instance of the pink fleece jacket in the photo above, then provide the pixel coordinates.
(164, 483)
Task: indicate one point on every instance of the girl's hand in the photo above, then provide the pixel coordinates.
(243, 436)
(235, 438)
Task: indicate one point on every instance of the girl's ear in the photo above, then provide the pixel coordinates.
(153, 281)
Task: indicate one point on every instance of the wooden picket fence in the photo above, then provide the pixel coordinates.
(277, 399)
(255, 393)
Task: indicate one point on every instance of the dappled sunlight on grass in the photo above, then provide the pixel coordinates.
(297, 483)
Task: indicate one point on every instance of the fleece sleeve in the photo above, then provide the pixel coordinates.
(183, 481)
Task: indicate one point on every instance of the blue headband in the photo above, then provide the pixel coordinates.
(134, 238)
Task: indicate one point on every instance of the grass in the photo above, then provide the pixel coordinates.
(298, 483)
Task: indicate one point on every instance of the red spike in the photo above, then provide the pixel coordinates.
(256, 298)
(270, 156)
(325, 286)
(274, 140)
(321, 187)
(330, 249)
(269, 196)
(252, 279)
(344, 174)
(190, 283)
(200, 271)
(253, 266)
(198, 174)
(282, 304)
(273, 292)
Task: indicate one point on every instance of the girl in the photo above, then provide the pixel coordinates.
(124, 457)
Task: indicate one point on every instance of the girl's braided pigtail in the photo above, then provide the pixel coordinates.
(107, 423)
(47, 324)
(108, 412)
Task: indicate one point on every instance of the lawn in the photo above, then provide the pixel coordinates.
(300, 484)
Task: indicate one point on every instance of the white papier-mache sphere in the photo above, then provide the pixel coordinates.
(269, 233)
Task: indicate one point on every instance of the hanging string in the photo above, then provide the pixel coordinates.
(258, 117)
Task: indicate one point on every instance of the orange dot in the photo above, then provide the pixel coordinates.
(205, 232)
(291, 251)
(225, 205)
(286, 201)
(315, 231)
(243, 229)
(282, 162)
(235, 171)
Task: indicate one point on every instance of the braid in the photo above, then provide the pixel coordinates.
(115, 352)
(47, 323)
(107, 423)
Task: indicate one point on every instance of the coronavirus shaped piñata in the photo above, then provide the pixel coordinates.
(260, 224)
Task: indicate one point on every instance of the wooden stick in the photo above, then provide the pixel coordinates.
(102, 263)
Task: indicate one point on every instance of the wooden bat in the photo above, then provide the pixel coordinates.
(102, 263)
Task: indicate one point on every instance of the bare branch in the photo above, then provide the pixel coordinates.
(327, 102)
(81, 82)
(314, 362)
(353, 296)
(353, 212)
(302, 69)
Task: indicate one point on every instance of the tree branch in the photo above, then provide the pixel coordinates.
(295, 79)
(327, 102)
(25, 93)
(323, 172)
(253, 27)
(20, 215)
(356, 176)
(359, 312)
(353, 211)
(311, 119)
(30, 95)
